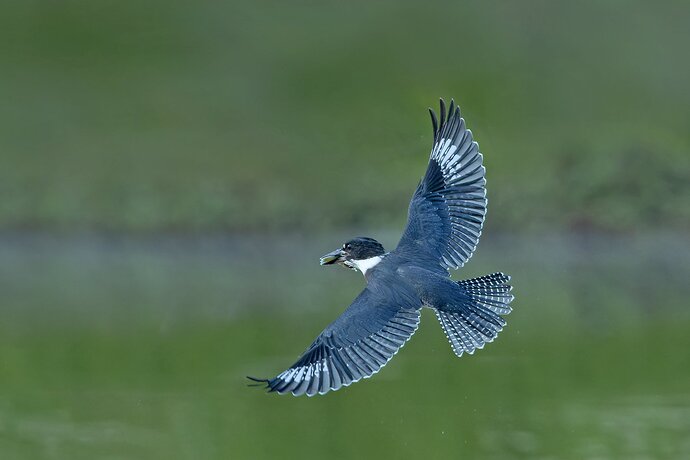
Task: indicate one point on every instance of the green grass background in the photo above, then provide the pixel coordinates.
(244, 116)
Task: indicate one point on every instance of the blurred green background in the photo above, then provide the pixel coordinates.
(170, 173)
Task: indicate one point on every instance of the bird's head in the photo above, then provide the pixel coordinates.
(360, 253)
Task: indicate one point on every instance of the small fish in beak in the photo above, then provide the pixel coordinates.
(332, 257)
(337, 257)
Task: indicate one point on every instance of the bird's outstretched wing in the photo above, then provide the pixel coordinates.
(447, 211)
(356, 345)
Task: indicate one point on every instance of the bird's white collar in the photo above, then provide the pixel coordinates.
(366, 264)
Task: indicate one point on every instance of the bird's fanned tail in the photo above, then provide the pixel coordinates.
(476, 321)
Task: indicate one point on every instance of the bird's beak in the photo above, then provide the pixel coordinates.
(332, 257)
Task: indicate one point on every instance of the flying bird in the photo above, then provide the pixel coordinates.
(445, 219)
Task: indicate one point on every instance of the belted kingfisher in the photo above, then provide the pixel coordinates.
(445, 219)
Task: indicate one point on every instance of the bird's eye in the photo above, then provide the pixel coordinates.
(347, 246)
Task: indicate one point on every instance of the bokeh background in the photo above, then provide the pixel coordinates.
(170, 173)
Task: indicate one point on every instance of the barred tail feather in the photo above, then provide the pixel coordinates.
(476, 322)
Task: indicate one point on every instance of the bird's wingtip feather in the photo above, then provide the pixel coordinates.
(434, 121)
(258, 382)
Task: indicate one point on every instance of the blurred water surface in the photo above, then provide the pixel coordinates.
(137, 347)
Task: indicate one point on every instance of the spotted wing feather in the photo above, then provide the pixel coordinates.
(355, 346)
(447, 211)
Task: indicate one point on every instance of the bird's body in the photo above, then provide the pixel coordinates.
(445, 218)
